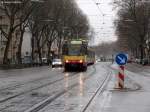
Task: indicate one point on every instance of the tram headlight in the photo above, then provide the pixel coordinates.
(81, 61)
(67, 61)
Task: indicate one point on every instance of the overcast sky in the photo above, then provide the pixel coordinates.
(101, 18)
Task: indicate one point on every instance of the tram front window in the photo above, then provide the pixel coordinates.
(74, 50)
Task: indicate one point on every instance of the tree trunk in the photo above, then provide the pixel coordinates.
(141, 48)
(5, 58)
(49, 51)
(141, 52)
(40, 56)
(20, 46)
(32, 45)
(59, 43)
(39, 52)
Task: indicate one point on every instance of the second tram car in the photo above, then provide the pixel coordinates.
(77, 54)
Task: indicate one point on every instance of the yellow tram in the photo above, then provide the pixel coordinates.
(77, 54)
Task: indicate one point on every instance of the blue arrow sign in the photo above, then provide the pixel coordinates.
(121, 59)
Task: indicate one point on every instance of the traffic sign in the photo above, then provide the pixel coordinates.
(121, 59)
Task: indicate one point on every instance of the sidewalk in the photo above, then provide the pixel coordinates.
(18, 66)
(138, 68)
(134, 99)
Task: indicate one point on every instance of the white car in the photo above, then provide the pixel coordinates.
(44, 61)
(98, 60)
(138, 61)
(57, 63)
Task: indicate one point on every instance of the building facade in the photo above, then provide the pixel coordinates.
(12, 52)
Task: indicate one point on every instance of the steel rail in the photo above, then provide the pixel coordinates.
(27, 82)
(21, 84)
(49, 100)
(98, 90)
(27, 91)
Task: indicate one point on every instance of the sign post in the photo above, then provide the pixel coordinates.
(121, 60)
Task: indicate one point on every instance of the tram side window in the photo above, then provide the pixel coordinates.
(65, 49)
(83, 49)
(91, 54)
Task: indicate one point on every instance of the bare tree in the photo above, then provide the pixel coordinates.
(48, 21)
(132, 25)
(106, 49)
(16, 13)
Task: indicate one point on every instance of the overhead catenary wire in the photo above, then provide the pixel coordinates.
(98, 7)
(102, 17)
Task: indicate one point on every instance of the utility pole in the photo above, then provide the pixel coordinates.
(77, 35)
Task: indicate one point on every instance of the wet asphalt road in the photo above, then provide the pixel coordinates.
(24, 89)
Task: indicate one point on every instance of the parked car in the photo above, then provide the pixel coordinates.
(144, 61)
(57, 63)
(138, 61)
(98, 60)
(44, 61)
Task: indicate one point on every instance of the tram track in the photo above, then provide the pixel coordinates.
(44, 103)
(35, 88)
(49, 100)
(10, 86)
(99, 90)
(21, 84)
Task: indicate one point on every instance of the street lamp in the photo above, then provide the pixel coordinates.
(11, 2)
(129, 20)
(18, 1)
(47, 20)
(98, 3)
(37, 0)
(77, 34)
